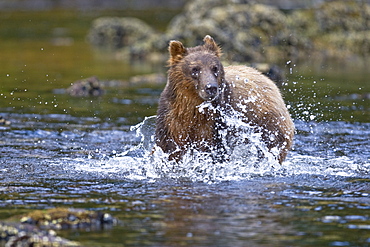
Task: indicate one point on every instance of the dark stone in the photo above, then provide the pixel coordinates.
(3, 121)
(86, 87)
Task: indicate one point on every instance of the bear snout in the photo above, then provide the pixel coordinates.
(210, 91)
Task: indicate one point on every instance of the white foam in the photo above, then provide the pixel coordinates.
(146, 161)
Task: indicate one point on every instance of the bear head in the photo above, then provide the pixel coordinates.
(197, 68)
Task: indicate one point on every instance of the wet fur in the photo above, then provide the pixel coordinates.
(181, 126)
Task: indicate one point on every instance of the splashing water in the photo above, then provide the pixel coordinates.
(144, 160)
(244, 152)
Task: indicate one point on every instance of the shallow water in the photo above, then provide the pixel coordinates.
(84, 153)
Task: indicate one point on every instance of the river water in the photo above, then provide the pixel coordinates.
(319, 196)
(93, 153)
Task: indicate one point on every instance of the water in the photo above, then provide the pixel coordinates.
(319, 196)
(85, 153)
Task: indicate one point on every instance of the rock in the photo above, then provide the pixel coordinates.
(4, 121)
(68, 218)
(274, 72)
(247, 31)
(250, 32)
(37, 228)
(24, 235)
(348, 43)
(115, 33)
(336, 28)
(132, 37)
(86, 87)
(343, 16)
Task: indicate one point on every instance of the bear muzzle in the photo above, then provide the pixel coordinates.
(209, 92)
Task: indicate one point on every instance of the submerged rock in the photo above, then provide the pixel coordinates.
(353, 97)
(3, 121)
(86, 87)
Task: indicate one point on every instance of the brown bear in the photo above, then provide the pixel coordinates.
(195, 77)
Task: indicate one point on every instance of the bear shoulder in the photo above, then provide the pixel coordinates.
(247, 77)
(248, 85)
(259, 100)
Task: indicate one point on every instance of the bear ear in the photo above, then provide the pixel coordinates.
(211, 45)
(177, 51)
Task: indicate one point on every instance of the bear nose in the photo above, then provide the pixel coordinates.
(211, 89)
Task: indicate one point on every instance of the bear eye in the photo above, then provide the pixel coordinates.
(195, 72)
(215, 70)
